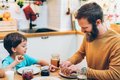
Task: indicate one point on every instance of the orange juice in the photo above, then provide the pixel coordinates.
(55, 62)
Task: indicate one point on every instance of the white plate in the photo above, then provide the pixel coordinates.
(35, 69)
(46, 78)
(66, 76)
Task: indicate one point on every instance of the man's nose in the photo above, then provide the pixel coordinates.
(83, 30)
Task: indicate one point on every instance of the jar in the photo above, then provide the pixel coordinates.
(45, 71)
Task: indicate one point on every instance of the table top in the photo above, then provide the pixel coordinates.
(56, 74)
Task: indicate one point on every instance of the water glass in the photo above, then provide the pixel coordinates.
(9, 74)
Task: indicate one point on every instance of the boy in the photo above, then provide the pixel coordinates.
(15, 44)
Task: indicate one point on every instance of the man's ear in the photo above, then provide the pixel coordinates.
(98, 22)
(14, 49)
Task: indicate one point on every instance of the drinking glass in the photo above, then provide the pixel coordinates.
(55, 59)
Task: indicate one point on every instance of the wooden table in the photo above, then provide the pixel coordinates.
(19, 77)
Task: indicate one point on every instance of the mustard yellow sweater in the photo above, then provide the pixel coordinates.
(102, 55)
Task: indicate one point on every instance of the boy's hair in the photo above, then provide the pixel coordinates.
(12, 40)
(90, 11)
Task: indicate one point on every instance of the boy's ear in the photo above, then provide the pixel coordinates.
(14, 49)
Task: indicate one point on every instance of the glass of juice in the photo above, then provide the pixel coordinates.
(55, 59)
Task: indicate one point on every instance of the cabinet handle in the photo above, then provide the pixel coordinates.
(1, 41)
(44, 37)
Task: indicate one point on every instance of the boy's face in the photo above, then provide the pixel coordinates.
(21, 48)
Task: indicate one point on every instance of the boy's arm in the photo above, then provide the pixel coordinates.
(43, 63)
(2, 73)
(12, 65)
(17, 60)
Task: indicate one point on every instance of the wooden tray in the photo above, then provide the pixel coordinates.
(8, 25)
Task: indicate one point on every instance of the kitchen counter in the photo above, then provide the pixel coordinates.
(3, 34)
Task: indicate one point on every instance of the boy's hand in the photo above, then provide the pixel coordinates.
(19, 58)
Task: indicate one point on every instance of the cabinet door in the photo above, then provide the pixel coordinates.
(43, 47)
(3, 52)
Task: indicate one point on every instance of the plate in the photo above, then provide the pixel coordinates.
(35, 69)
(66, 76)
(46, 78)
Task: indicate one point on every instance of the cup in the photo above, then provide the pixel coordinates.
(9, 74)
(27, 74)
(55, 59)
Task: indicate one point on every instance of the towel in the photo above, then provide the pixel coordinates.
(29, 13)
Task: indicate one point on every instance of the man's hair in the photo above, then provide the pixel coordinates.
(90, 11)
(12, 40)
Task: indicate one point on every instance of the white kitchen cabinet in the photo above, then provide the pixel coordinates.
(65, 45)
(43, 47)
(3, 52)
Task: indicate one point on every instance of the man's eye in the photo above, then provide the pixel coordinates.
(24, 46)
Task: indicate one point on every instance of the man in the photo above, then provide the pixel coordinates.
(2, 73)
(101, 46)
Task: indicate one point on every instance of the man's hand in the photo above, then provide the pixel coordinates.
(65, 64)
(69, 70)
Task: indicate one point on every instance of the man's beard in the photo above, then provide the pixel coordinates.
(92, 35)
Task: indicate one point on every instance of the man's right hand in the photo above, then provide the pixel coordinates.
(65, 64)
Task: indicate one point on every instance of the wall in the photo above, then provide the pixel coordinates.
(18, 14)
(57, 17)
(111, 9)
(52, 14)
(66, 19)
(41, 21)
